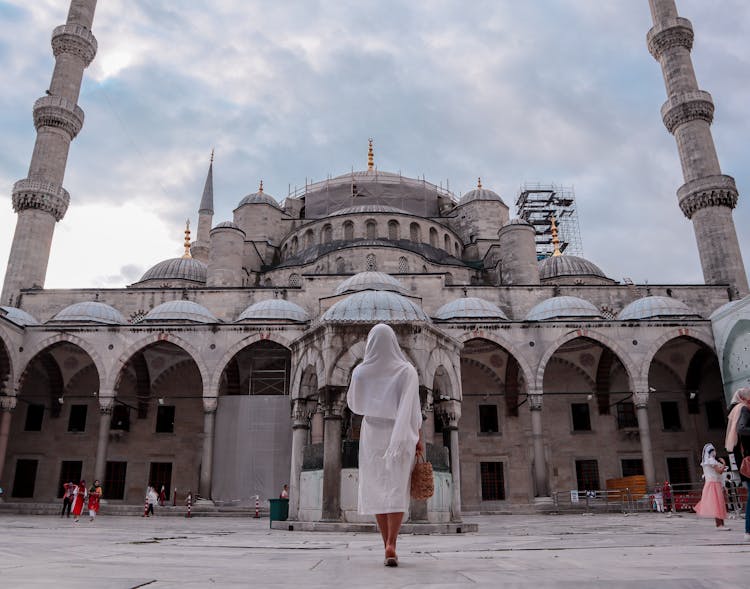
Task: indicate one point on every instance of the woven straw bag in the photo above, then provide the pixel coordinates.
(422, 484)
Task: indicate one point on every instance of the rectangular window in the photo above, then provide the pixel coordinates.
(631, 467)
(715, 414)
(120, 418)
(70, 472)
(581, 417)
(493, 482)
(34, 418)
(165, 419)
(678, 470)
(587, 475)
(114, 480)
(77, 419)
(25, 479)
(488, 423)
(626, 417)
(670, 416)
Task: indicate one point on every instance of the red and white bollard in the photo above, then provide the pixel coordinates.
(257, 507)
(189, 504)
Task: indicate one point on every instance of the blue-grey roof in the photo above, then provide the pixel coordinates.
(18, 316)
(563, 308)
(370, 281)
(177, 269)
(90, 311)
(181, 311)
(724, 307)
(655, 307)
(259, 198)
(227, 225)
(373, 306)
(480, 194)
(470, 308)
(566, 265)
(518, 221)
(370, 209)
(274, 309)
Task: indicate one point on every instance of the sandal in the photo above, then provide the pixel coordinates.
(391, 561)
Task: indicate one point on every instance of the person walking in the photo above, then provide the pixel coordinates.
(162, 496)
(666, 492)
(151, 498)
(79, 497)
(737, 439)
(95, 495)
(712, 498)
(67, 498)
(384, 389)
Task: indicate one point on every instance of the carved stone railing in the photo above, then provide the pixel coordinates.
(687, 107)
(56, 111)
(76, 40)
(673, 32)
(711, 191)
(45, 196)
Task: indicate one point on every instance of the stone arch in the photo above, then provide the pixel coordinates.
(237, 347)
(371, 229)
(415, 232)
(348, 230)
(7, 379)
(294, 246)
(309, 239)
(699, 335)
(447, 243)
(311, 357)
(528, 374)
(65, 338)
(433, 237)
(326, 235)
(440, 358)
(594, 336)
(342, 367)
(394, 230)
(144, 342)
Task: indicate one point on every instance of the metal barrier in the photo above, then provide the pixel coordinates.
(683, 499)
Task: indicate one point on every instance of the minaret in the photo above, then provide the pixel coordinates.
(40, 200)
(205, 217)
(708, 196)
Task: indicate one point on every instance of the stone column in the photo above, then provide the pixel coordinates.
(541, 484)
(207, 456)
(7, 405)
(641, 410)
(105, 419)
(300, 428)
(333, 407)
(450, 413)
(316, 427)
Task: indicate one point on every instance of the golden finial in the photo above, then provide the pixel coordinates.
(479, 183)
(370, 156)
(212, 155)
(187, 255)
(260, 188)
(555, 239)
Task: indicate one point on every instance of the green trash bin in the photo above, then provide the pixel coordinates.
(279, 510)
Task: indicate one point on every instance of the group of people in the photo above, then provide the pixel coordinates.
(75, 496)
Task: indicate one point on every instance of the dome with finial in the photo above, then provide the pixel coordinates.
(370, 281)
(563, 308)
(180, 311)
(656, 307)
(260, 197)
(184, 271)
(375, 306)
(480, 193)
(274, 309)
(470, 308)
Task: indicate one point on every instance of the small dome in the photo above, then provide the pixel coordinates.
(480, 194)
(18, 316)
(518, 221)
(370, 281)
(373, 306)
(655, 307)
(227, 225)
(565, 265)
(181, 311)
(274, 309)
(90, 311)
(724, 307)
(470, 308)
(259, 198)
(370, 209)
(563, 308)
(177, 269)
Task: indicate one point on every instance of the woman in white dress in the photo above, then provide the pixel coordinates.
(385, 390)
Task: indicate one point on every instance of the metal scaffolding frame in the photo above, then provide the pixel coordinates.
(537, 204)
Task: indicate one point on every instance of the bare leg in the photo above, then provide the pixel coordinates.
(394, 525)
(382, 519)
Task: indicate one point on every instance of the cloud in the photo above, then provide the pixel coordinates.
(561, 92)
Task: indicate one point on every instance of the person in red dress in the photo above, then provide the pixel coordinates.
(79, 496)
(95, 494)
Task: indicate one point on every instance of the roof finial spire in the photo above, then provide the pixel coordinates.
(479, 183)
(187, 255)
(555, 239)
(370, 156)
(260, 187)
(212, 155)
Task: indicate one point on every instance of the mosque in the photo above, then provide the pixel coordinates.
(224, 371)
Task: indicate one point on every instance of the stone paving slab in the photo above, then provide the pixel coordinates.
(566, 551)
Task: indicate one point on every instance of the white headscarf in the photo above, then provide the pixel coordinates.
(386, 385)
(706, 457)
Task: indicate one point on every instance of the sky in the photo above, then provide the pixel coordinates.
(550, 91)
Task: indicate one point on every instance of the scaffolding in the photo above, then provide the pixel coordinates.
(537, 204)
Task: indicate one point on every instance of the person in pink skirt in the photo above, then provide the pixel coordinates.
(712, 498)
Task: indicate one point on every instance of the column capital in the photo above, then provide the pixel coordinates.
(7, 403)
(535, 401)
(449, 412)
(640, 399)
(210, 404)
(302, 411)
(332, 400)
(106, 403)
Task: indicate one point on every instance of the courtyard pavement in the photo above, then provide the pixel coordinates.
(539, 551)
